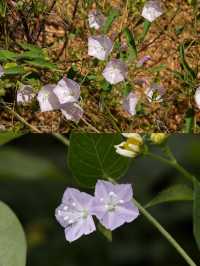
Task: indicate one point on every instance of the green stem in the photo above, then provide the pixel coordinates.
(162, 230)
(61, 137)
(173, 162)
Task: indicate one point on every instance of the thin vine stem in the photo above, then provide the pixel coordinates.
(162, 230)
(173, 162)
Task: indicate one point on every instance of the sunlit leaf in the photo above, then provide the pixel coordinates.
(6, 55)
(12, 239)
(173, 193)
(92, 157)
(6, 137)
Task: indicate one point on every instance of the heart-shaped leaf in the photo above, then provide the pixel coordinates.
(92, 157)
(12, 239)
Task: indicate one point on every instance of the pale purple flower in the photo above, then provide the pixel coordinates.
(99, 46)
(130, 103)
(113, 204)
(197, 97)
(152, 10)
(72, 111)
(74, 214)
(25, 94)
(96, 19)
(115, 71)
(143, 60)
(1, 71)
(48, 101)
(155, 93)
(67, 90)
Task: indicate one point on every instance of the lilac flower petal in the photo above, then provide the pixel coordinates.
(67, 90)
(124, 191)
(25, 94)
(72, 111)
(130, 103)
(155, 92)
(74, 214)
(96, 19)
(111, 221)
(102, 189)
(128, 212)
(197, 97)
(74, 231)
(99, 46)
(143, 60)
(152, 10)
(1, 71)
(48, 101)
(115, 71)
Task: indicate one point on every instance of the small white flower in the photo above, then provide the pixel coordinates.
(155, 93)
(25, 94)
(197, 97)
(67, 90)
(96, 19)
(99, 46)
(137, 137)
(115, 71)
(131, 147)
(130, 103)
(1, 71)
(72, 111)
(152, 10)
(48, 101)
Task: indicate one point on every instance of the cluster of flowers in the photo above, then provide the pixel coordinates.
(133, 145)
(100, 47)
(65, 94)
(112, 204)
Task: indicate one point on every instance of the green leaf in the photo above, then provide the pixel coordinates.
(196, 212)
(131, 43)
(31, 47)
(173, 193)
(189, 71)
(6, 137)
(15, 70)
(189, 122)
(146, 28)
(25, 166)
(3, 7)
(105, 232)
(92, 157)
(113, 14)
(29, 55)
(41, 63)
(12, 239)
(6, 55)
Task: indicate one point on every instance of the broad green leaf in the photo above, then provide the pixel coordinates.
(131, 43)
(113, 14)
(31, 47)
(92, 157)
(196, 212)
(105, 232)
(6, 55)
(24, 165)
(29, 55)
(12, 239)
(173, 193)
(41, 63)
(8, 136)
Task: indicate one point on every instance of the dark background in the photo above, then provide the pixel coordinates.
(33, 176)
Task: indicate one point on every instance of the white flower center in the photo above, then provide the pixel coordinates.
(112, 202)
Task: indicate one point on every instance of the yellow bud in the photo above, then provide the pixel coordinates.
(158, 138)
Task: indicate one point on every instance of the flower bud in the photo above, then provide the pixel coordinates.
(158, 138)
